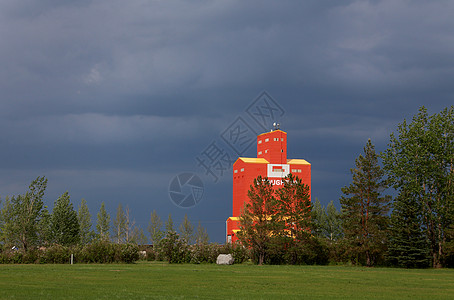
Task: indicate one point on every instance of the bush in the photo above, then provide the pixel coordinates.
(127, 253)
(240, 253)
(56, 254)
(173, 249)
(31, 257)
(97, 252)
(205, 253)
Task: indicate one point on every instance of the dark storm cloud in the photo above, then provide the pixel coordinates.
(111, 99)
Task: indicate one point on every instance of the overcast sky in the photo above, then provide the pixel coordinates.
(112, 99)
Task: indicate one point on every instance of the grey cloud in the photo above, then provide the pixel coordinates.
(130, 86)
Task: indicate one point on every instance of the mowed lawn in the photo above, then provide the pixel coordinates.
(162, 281)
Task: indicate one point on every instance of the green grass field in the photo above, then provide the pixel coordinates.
(161, 280)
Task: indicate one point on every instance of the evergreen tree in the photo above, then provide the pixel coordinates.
(86, 233)
(63, 222)
(408, 246)
(103, 223)
(155, 228)
(364, 210)
(119, 225)
(187, 230)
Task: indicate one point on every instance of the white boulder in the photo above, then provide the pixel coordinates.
(225, 259)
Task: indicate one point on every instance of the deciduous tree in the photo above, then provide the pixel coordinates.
(155, 228)
(187, 230)
(84, 217)
(26, 212)
(419, 163)
(130, 227)
(103, 223)
(318, 215)
(7, 235)
(119, 225)
(201, 235)
(333, 226)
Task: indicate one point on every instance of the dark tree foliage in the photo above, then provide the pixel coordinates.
(364, 209)
(256, 224)
(408, 246)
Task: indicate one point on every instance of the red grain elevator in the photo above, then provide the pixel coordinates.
(271, 162)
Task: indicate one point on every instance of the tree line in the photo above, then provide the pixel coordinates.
(413, 229)
(27, 224)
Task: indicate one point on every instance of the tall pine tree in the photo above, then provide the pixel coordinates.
(364, 209)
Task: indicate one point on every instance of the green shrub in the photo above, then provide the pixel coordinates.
(127, 253)
(173, 249)
(239, 253)
(31, 256)
(56, 254)
(98, 252)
